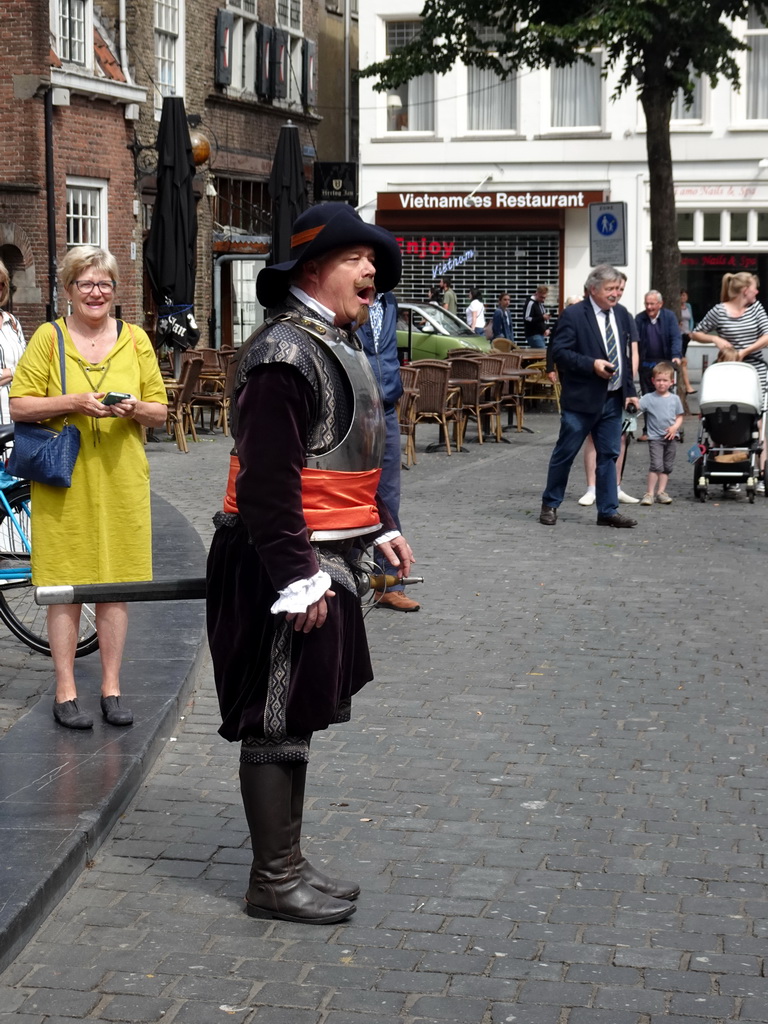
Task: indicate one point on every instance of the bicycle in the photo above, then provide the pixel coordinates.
(18, 610)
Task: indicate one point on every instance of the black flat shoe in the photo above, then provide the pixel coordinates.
(113, 713)
(70, 716)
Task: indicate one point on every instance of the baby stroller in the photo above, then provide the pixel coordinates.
(732, 428)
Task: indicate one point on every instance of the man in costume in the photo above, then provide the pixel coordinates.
(284, 618)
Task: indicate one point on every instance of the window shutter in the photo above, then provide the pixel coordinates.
(225, 23)
(280, 63)
(309, 83)
(263, 61)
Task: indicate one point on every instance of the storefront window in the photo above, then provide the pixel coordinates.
(762, 227)
(711, 227)
(739, 226)
(685, 227)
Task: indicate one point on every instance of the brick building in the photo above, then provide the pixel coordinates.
(81, 111)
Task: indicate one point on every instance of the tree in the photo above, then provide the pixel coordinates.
(657, 46)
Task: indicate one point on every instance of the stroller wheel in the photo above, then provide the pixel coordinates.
(699, 481)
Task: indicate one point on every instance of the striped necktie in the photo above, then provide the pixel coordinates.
(613, 351)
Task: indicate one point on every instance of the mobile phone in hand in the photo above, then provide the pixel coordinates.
(113, 397)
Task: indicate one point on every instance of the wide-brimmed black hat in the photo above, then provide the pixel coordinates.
(321, 229)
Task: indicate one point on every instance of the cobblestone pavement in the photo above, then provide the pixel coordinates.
(552, 794)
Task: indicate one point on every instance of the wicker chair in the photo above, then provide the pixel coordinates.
(180, 419)
(478, 397)
(216, 397)
(406, 411)
(512, 395)
(502, 345)
(437, 401)
(539, 388)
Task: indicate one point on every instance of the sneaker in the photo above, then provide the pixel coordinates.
(396, 601)
(627, 499)
(647, 498)
(734, 488)
(663, 498)
(760, 489)
(588, 498)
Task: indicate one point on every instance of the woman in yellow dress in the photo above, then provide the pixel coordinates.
(99, 529)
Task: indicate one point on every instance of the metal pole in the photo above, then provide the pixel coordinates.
(192, 589)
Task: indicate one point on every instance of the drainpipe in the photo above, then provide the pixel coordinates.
(123, 42)
(347, 82)
(50, 204)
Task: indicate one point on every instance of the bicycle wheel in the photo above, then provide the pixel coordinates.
(25, 619)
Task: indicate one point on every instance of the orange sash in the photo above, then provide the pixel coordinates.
(331, 499)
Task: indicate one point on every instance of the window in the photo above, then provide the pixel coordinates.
(729, 228)
(244, 44)
(289, 14)
(685, 227)
(411, 107)
(243, 206)
(739, 226)
(491, 101)
(72, 19)
(289, 18)
(711, 228)
(576, 95)
(757, 67)
(86, 212)
(693, 113)
(168, 50)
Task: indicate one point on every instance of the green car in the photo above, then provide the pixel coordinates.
(425, 331)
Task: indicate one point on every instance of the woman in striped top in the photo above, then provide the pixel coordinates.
(739, 322)
(11, 344)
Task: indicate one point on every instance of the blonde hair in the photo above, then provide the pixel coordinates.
(83, 257)
(728, 355)
(734, 284)
(5, 284)
(663, 370)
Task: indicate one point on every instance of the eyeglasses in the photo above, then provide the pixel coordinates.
(86, 287)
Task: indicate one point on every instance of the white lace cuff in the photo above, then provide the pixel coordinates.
(298, 596)
(385, 538)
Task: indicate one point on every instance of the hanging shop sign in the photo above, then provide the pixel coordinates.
(336, 182)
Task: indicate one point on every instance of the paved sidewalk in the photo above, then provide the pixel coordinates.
(553, 794)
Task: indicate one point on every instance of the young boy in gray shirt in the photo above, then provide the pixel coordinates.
(664, 418)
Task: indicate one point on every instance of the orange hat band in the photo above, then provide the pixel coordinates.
(306, 236)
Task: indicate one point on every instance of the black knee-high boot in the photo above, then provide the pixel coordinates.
(342, 890)
(275, 888)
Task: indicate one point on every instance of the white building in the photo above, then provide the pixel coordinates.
(490, 182)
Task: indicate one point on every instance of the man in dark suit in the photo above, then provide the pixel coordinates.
(591, 348)
(659, 339)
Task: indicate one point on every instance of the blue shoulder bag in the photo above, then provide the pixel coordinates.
(43, 455)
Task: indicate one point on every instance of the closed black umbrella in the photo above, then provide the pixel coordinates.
(171, 245)
(287, 190)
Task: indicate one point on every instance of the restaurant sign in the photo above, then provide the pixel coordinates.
(490, 201)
